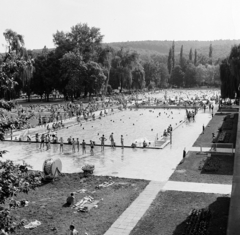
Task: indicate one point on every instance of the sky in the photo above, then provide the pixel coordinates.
(121, 20)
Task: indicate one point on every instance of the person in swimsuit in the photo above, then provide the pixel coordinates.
(73, 145)
(112, 140)
(42, 141)
(78, 144)
(91, 147)
(83, 146)
(103, 139)
(122, 141)
(61, 144)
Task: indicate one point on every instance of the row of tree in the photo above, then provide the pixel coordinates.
(81, 65)
(192, 72)
(230, 74)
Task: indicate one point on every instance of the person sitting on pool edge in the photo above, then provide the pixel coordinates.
(144, 144)
(69, 140)
(133, 145)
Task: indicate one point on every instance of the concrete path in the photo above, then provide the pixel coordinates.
(208, 149)
(198, 187)
(130, 217)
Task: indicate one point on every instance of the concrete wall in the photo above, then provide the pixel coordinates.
(234, 210)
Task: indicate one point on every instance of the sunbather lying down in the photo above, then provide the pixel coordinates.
(70, 200)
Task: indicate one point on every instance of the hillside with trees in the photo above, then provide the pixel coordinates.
(221, 47)
(82, 65)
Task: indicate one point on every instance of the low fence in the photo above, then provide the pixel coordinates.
(218, 148)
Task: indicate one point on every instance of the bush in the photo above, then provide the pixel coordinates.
(14, 179)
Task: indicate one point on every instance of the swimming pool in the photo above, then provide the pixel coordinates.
(132, 124)
(147, 164)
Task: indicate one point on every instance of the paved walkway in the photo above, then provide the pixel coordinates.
(130, 217)
(208, 149)
(198, 187)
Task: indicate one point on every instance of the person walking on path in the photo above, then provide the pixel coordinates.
(184, 153)
(103, 139)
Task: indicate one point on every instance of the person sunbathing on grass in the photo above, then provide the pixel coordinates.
(70, 200)
(72, 231)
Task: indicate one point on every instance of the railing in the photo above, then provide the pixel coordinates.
(218, 148)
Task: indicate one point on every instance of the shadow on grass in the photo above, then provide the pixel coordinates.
(219, 218)
(218, 165)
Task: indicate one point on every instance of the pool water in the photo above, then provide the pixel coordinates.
(147, 164)
(135, 124)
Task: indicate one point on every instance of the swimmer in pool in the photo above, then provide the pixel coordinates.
(112, 140)
(103, 139)
(122, 141)
(83, 146)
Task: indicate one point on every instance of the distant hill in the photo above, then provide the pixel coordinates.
(221, 48)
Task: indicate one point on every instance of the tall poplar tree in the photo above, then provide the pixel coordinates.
(210, 53)
(190, 54)
(181, 56)
(173, 55)
(170, 61)
(195, 57)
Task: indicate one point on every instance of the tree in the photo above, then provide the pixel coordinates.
(173, 55)
(46, 75)
(138, 74)
(190, 55)
(151, 72)
(181, 57)
(228, 81)
(73, 71)
(177, 77)
(201, 74)
(195, 57)
(170, 67)
(123, 64)
(105, 59)
(14, 40)
(210, 53)
(82, 39)
(14, 179)
(163, 75)
(190, 76)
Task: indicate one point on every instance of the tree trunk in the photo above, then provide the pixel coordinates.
(107, 81)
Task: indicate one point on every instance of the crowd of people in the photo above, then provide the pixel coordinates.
(52, 117)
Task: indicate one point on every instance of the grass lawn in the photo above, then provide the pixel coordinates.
(189, 170)
(170, 209)
(46, 204)
(229, 126)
